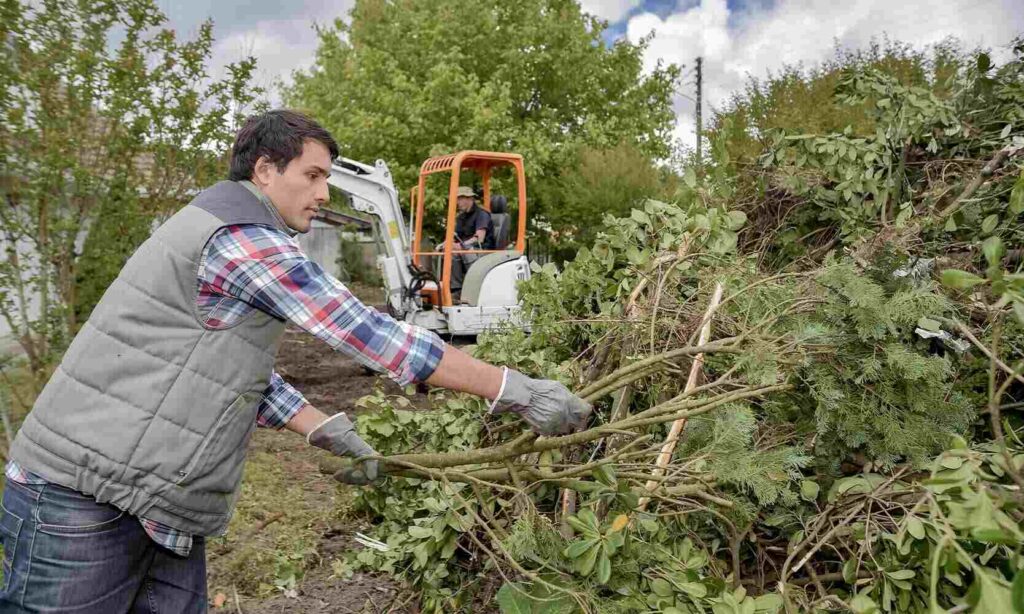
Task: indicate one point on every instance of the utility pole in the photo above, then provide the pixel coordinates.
(700, 127)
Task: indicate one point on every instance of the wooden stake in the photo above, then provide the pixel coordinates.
(677, 427)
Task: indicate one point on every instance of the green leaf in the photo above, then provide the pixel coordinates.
(384, 428)
(604, 568)
(513, 601)
(809, 490)
(984, 62)
(769, 602)
(1018, 310)
(1017, 592)
(582, 527)
(585, 564)
(993, 249)
(661, 587)
(579, 547)
(850, 571)
(929, 324)
(588, 517)
(993, 596)
(960, 280)
(420, 532)
(690, 178)
(951, 462)
(694, 589)
(1017, 196)
(736, 220)
(862, 604)
(990, 535)
(902, 574)
(989, 223)
(915, 527)
(605, 474)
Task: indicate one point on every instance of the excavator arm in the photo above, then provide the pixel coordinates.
(372, 191)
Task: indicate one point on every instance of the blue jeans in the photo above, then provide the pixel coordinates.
(64, 552)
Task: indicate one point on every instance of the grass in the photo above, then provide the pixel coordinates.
(285, 508)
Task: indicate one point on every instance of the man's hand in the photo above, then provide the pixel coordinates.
(547, 406)
(338, 436)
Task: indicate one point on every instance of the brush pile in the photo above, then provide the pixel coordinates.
(807, 380)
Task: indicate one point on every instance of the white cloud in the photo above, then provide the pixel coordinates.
(755, 40)
(280, 47)
(610, 10)
(281, 38)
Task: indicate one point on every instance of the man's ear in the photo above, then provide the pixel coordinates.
(261, 171)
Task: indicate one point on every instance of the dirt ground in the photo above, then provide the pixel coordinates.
(292, 521)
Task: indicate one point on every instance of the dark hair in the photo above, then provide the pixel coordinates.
(279, 135)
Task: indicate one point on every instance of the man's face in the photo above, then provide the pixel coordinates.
(300, 190)
(464, 203)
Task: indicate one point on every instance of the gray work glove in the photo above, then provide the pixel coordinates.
(338, 436)
(547, 406)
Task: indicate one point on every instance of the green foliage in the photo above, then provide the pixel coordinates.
(802, 99)
(600, 279)
(880, 389)
(881, 473)
(103, 128)
(724, 443)
(856, 180)
(599, 183)
(120, 227)
(352, 262)
(865, 141)
(406, 79)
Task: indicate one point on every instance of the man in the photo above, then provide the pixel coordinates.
(473, 230)
(133, 452)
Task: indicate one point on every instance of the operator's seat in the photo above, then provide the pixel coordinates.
(474, 280)
(500, 219)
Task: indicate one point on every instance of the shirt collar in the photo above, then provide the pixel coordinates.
(263, 198)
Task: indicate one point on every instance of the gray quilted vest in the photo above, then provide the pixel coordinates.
(149, 410)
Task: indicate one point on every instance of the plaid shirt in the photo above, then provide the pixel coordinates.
(250, 267)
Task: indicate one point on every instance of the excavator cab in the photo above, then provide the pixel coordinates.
(421, 294)
(482, 164)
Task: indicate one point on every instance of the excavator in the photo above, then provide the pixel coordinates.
(415, 292)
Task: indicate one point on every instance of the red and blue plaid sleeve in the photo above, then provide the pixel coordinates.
(281, 401)
(266, 268)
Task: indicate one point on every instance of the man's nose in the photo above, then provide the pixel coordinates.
(323, 193)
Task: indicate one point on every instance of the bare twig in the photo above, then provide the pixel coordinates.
(986, 172)
(691, 383)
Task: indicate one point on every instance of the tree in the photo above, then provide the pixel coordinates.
(596, 183)
(106, 122)
(412, 78)
(802, 99)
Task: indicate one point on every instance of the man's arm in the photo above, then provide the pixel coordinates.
(266, 269)
(461, 372)
(483, 220)
(306, 420)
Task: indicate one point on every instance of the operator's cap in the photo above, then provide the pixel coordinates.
(465, 190)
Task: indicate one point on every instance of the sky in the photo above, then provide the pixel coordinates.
(737, 39)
